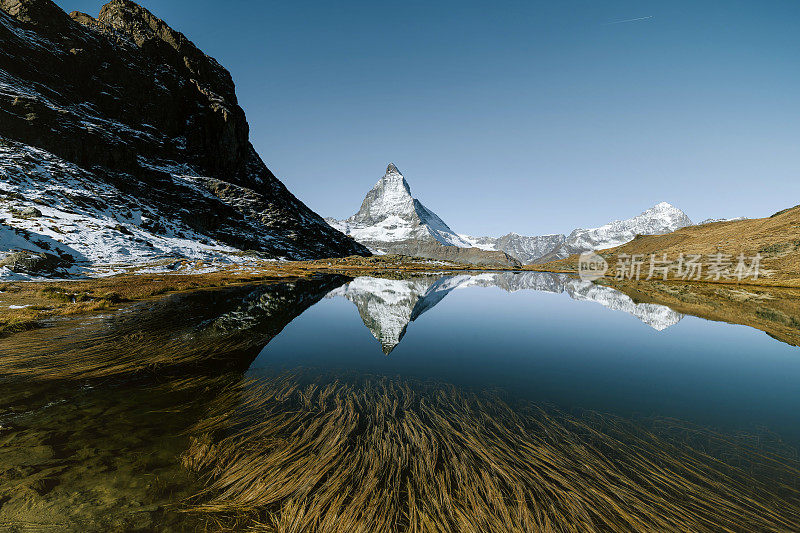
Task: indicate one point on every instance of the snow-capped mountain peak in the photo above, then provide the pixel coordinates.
(390, 214)
(661, 218)
(392, 169)
(391, 196)
(666, 213)
(392, 220)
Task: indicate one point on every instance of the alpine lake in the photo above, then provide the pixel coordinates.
(492, 401)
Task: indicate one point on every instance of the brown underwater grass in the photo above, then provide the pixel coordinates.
(380, 454)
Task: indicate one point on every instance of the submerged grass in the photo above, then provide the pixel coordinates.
(380, 454)
(23, 321)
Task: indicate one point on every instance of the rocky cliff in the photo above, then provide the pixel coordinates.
(127, 115)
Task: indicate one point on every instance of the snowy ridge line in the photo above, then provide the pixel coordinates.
(391, 216)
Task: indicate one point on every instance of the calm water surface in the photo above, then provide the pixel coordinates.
(107, 423)
(550, 347)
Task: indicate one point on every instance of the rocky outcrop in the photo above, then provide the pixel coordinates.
(137, 106)
(26, 262)
(457, 254)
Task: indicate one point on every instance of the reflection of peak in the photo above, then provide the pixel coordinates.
(387, 306)
(518, 281)
(658, 317)
(436, 292)
(258, 313)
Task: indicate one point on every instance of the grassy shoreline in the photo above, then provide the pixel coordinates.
(25, 305)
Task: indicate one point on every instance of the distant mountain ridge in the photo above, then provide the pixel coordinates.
(711, 220)
(528, 249)
(772, 243)
(659, 219)
(391, 220)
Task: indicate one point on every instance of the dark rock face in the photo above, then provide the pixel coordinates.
(133, 101)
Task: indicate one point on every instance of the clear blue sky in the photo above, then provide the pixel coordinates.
(534, 117)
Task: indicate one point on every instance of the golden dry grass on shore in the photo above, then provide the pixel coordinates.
(47, 299)
(379, 454)
(24, 304)
(775, 238)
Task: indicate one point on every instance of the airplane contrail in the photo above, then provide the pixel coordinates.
(632, 20)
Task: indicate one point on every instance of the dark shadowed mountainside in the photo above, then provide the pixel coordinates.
(150, 129)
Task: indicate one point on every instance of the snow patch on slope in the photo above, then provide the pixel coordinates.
(82, 218)
(711, 220)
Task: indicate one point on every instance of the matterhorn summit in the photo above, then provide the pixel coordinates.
(389, 214)
(391, 220)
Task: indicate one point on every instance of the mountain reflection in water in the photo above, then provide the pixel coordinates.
(388, 306)
(209, 328)
(260, 406)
